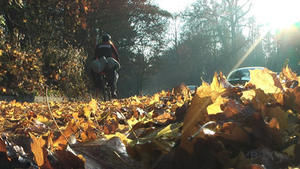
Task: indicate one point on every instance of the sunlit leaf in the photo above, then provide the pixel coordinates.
(42, 119)
(37, 149)
(265, 80)
(216, 106)
(171, 130)
(248, 95)
(287, 72)
(122, 136)
(63, 139)
(163, 117)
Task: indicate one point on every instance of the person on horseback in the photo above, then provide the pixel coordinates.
(107, 52)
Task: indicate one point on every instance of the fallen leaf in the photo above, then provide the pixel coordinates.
(2, 146)
(216, 106)
(265, 80)
(37, 149)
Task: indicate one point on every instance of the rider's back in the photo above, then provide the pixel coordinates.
(103, 49)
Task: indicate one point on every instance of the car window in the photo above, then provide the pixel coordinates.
(240, 75)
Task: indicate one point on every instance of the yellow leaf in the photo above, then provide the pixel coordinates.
(1, 52)
(42, 119)
(265, 80)
(93, 105)
(122, 136)
(132, 121)
(216, 85)
(287, 72)
(215, 107)
(57, 114)
(37, 149)
(155, 99)
(171, 130)
(3, 90)
(87, 112)
(248, 95)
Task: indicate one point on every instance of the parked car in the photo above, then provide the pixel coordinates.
(192, 88)
(241, 75)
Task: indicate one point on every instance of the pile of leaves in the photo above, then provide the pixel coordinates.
(220, 126)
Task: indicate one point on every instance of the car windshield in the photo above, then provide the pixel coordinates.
(240, 75)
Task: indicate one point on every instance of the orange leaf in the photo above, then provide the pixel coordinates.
(91, 134)
(274, 123)
(83, 136)
(50, 140)
(164, 117)
(37, 149)
(62, 140)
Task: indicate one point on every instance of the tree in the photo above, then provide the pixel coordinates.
(65, 32)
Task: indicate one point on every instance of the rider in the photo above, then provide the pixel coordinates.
(107, 49)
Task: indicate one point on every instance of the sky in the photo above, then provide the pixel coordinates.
(174, 6)
(276, 13)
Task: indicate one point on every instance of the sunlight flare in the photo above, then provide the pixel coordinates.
(277, 15)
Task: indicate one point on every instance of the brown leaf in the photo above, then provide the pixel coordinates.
(280, 116)
(234, 132)
(297, 153)
(197, 112)
(47, 164)
(68, 160)
(232, 108)
(2, 146)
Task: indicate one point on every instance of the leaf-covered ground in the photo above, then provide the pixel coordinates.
(250, 127)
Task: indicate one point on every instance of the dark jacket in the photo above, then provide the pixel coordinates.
(107, 49)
